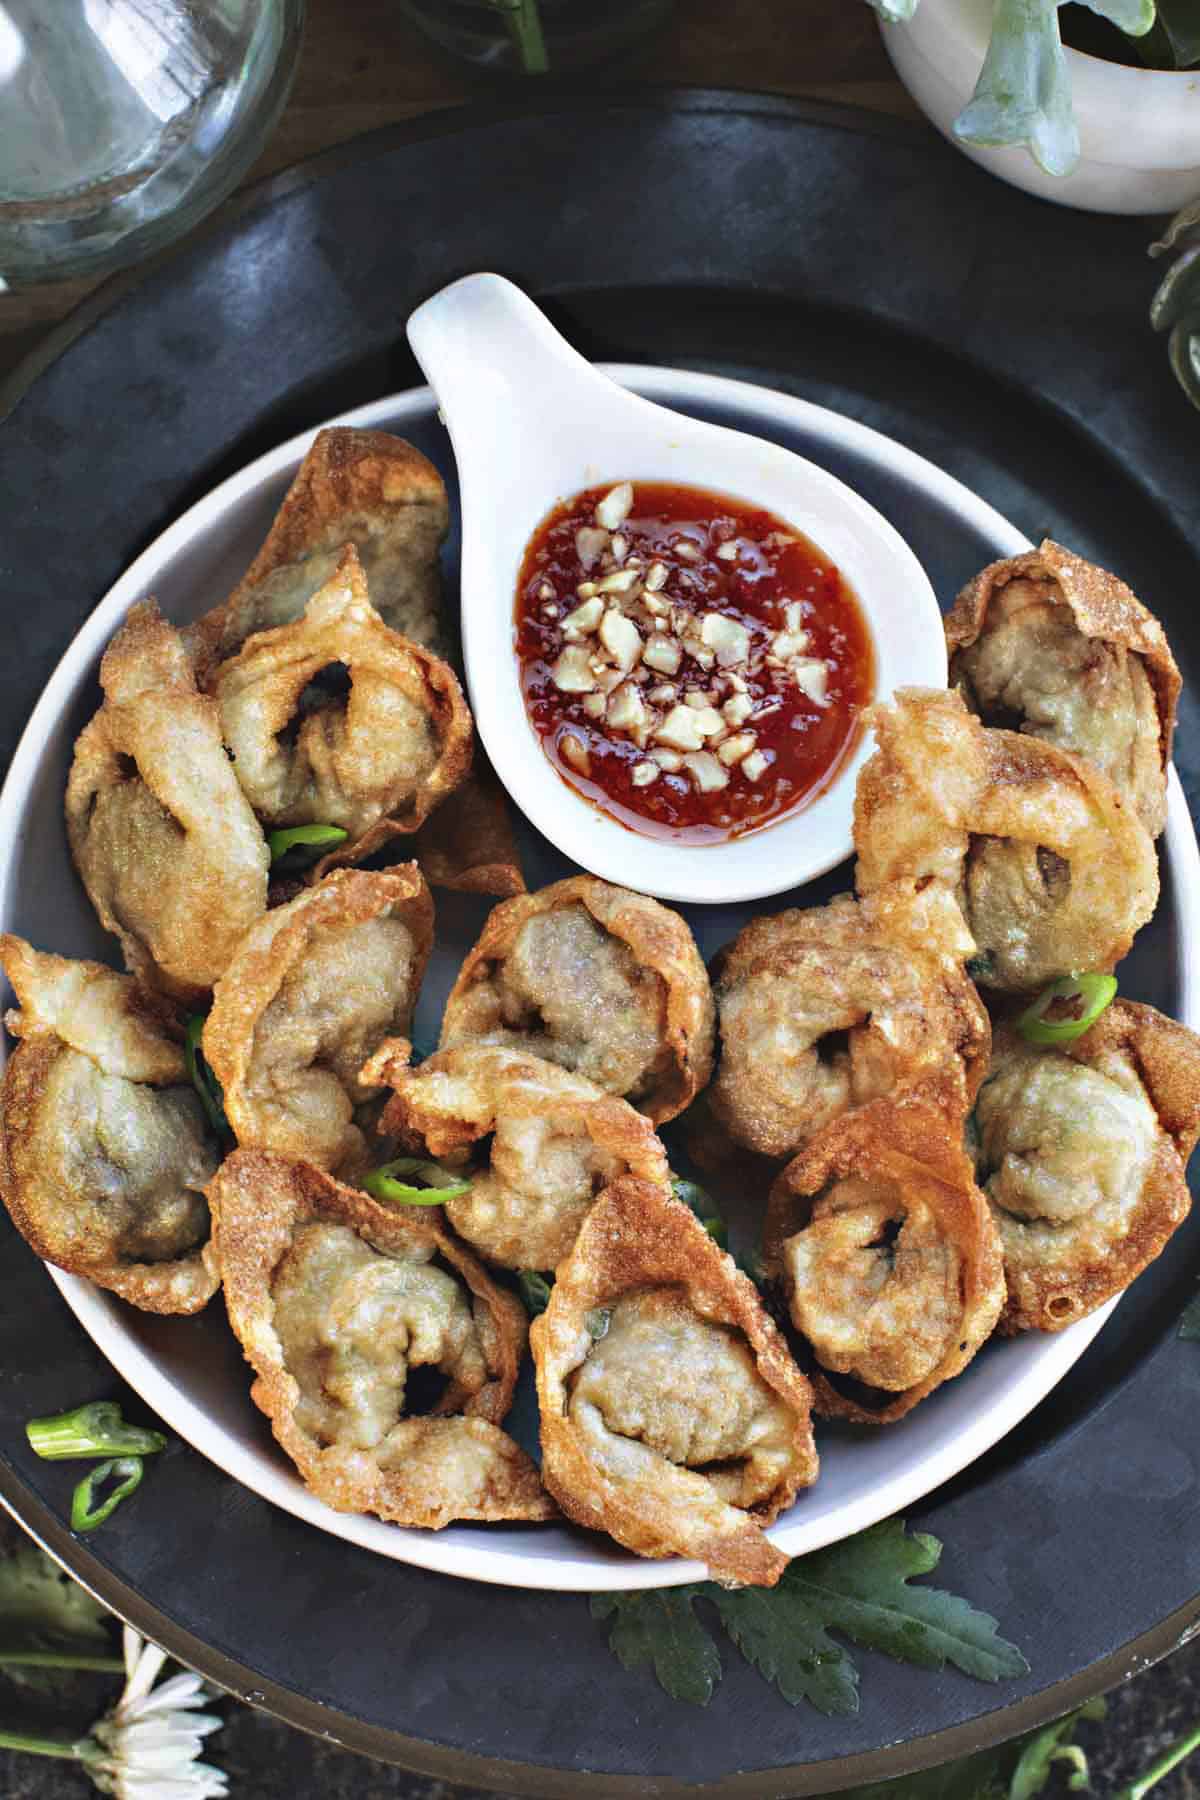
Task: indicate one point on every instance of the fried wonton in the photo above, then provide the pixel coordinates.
(313, 990)
(555, 1141)
(338, 1303)
(165, 841)
(673, 1417)
(104, 1153)
(1053, 871)
(602, 981)
(1082, 1150)
(381, 495)
(375, 760)
(364, 488)
(887, 1251)
(1059, 648)
(824, 1009)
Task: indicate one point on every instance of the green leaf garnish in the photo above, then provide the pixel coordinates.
(49, 1625)
(535, 1290)
(212, 1097)
(410, 1181)
(86, 1510)
(299, 846)
(699, 1201)
(93, 1430)
(1066, 1009)
(860, 1589)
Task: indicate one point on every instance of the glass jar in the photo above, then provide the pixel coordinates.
(122, 122)
(534, 37)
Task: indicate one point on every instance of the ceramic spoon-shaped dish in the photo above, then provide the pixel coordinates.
(533, 423)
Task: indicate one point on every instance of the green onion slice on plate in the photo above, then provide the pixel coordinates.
(1066, 1009)
(408, 1181)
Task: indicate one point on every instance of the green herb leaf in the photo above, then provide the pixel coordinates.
(1023, 95)
(302, 845)
(212, 1097)
(44, 1614)
(97, 1429)
(410, 1181)
(860, 1589)
(1042, 1749)
(660, 1628)
(87, 1511)
(1189, 1321)
(699, 1201)
(534, 1289)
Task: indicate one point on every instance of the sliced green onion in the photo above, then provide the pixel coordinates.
(432, 1185)
(93, 1430)
(1066, 1009)
(302, 845)
(86, 1512)
(700, 1202)
(212, 1097)
(535, 1290)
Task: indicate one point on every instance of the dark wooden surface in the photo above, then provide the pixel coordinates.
(363, 66)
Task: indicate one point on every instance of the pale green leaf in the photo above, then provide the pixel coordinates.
(42, 1609)
(1023, 95)
(1133, 17)
(1053, 1743)
(660, 1628)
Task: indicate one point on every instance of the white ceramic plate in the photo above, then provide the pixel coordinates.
(190, 1371)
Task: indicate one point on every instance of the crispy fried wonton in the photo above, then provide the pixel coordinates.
(165, 841)
(337, 1303)
(602, 981)
(375, 760)
(1060, 648)
(104, 1152)
(673, 1417)
(824, 1009)
(1053, 871)
(556, 1141)
(1082, 1150)
(381, 495)
(314, 988)
(887, 1251)
(364, 488)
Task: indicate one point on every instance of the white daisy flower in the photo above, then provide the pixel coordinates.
(147, 1747)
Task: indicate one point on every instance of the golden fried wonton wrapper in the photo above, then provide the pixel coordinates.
(313, 990)
(381, 495)
(556, 1141)
(336, 1300)
(887, 1251)
(104, 1152)
(602, 981)
(1071, 653)
(1053, 871)
(673, 1417)
(1082, 1151)
(168, 848)
(376, 761)
(887, 972)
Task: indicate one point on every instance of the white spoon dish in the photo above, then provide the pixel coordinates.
(533, 423)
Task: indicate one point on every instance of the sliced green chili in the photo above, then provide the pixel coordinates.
(432, 1185)
(212, 1097)
(699, 1201)
(535, 1290)
(86, 1512)
(302, 845)
(93, 1430)
(1066, 1009)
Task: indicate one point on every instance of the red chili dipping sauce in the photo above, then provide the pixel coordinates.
(691, 663)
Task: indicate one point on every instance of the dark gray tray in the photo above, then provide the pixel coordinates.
(868, 267)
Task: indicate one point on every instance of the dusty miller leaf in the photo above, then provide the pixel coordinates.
(1023, 95)
(42, 1609)
(661, 1628)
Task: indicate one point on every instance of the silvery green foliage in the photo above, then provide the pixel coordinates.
(1175, 309)
(1023, 95)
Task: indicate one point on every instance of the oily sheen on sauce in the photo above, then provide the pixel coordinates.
(786, 689)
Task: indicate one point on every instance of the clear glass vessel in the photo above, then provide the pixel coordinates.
(535, 37)
(122, 122)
